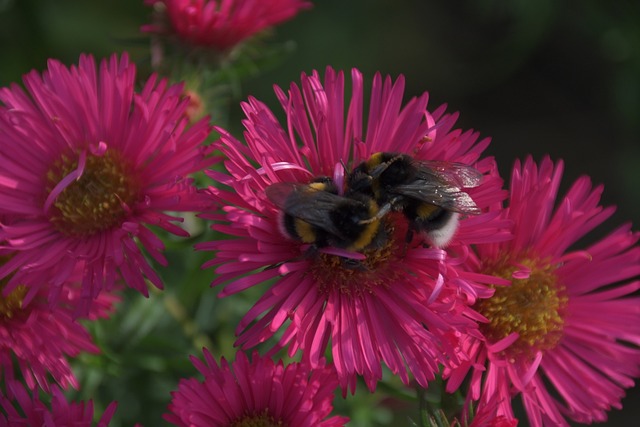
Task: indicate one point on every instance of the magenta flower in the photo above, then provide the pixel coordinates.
(259, 392)
(38, 338)
(565, 334)
(225, 23)
(87, 165)
(483, 420)
(396, 306)
(31, 411)
(485, 414)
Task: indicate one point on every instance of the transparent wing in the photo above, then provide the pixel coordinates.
(449, 198)
(455, 174)
(441, 183)
(308, 204)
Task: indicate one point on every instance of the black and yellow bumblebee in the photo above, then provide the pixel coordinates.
(315, 213)
(429, 193)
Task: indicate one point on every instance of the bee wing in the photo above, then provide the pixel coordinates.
(309, 205)
(440, 183)
(278, 193)
(453, 173)
(435, 193)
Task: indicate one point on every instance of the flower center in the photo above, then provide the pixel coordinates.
(258, 420)
(533, 307)
(98, 200)
(354, 277)
(12, 303)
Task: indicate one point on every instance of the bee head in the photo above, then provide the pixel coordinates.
(392, 169)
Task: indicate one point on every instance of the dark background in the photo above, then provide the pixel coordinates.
(540, 77)
(545, 77)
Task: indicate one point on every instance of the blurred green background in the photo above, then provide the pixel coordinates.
(547, 76)
(550, 76)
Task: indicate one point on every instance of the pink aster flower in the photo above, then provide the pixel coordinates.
(259, 392)
(388, 303)
(26, 410)
(485, 420)
(225, 23)
(565, 334)
(39, 338)
(485, 415)
(86, 166)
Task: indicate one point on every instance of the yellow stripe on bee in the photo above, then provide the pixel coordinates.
(305, 231)
(317, 186)
(425, 210)
(374, 160)
(370, 230)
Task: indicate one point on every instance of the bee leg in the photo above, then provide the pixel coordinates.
(353, 264)
(309, 252)
(408, 238)
(377, 171)
(385, 209)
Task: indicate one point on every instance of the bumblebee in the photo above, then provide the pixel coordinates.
(315, 213)
(429, 193)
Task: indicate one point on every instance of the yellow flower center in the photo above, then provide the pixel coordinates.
(533, 307)
(95, 202)
(11, 304)
(258, 420)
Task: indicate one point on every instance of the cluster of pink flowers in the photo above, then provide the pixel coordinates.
(507, 306)
(28, 410)
(87, 165)
(509, 300)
